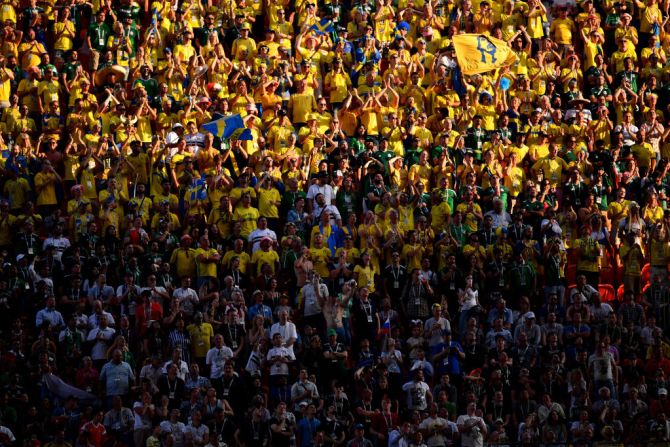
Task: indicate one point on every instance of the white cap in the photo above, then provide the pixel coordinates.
(529, 315)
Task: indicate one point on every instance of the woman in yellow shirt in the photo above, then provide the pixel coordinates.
(64, 33)
(650, 17)
(653, 212)
(337, 84)
(364, 273)
(370, 239)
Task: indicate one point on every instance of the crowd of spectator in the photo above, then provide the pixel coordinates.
(401, 255)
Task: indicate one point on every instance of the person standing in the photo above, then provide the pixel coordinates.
(471, 427)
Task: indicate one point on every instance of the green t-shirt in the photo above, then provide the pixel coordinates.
(98, 33)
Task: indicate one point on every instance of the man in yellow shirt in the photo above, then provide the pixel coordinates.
(320, 256)
(644, 153)
(239, 253)
(183, 258)
(206, 259)
(588, 255)
(47, 90)
(562, 29)
(301, 104)
(246, 215)
(46, 182)
(266, 255)
(201, 338)
(552, 166)
(244, 45)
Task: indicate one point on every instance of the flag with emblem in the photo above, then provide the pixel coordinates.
(228, 128)
(477, 53)
(325, 26)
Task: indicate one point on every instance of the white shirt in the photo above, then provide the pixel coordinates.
(60, 245)
(431, 425)
(94, 321)
(299, 388)
(436, 337)
(326, 190)
(332, 209)
(99, 350)
(177, 430)
(188, 298)
(182, 369)
(199, 434)
(470, 299)
(501, 220)
(195, 142)
(132, 303)
(416, 395)
(312, 306)
(140, 421)
(278, 368)
(287, 332)
(472, 438)
(216, 359)
(7, 432)
(258, 234)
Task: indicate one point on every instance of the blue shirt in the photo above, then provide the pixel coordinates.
(117, 378)
(54, 318)
(451, 363)
(307, 428)
(260, 309)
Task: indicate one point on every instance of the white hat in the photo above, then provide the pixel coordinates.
(662, 391)
(529, 315)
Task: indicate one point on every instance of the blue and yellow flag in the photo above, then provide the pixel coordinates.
(477, 53)
(325, 26)
(228, 128)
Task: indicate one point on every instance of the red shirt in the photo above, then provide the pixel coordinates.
(96, 433)
(145, 313)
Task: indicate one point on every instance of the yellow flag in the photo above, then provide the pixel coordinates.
(477, 53)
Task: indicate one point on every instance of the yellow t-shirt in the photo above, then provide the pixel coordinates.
(45, 187)
(643, 153)
(205, 268)
(302, 104)
(201, 338)
(588, 261)
(65, 32)
(365, 277)
(17, 192)
(470, 221)
(6, 224)
(440, 214)
(248, 218)
(265, 206)
(320, 259)
(184, 262)
(562, 30)
(244, 257)
(261, 257)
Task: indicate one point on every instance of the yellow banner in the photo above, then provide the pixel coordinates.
(477, 53)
